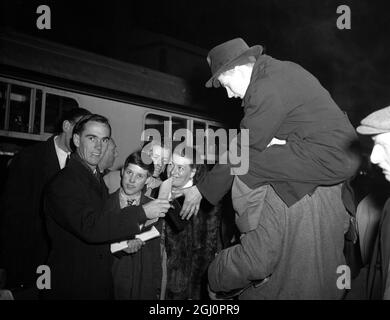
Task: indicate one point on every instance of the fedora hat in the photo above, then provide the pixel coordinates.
(228, 55)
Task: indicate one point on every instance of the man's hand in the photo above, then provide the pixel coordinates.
(191, 203)
(156, 208)
(133, 245)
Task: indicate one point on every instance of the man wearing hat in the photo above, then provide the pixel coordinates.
(377, 124)
(288, 205)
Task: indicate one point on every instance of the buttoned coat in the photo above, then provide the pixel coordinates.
(81, 229)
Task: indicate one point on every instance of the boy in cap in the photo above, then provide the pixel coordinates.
(377, 124)
(289, 207)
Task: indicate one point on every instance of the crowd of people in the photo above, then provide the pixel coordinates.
(152, 229)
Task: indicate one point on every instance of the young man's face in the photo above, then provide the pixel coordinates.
(92, 143)
(133, 179)
(235, 81)
(380, 154)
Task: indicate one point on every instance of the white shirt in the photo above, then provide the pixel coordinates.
(61, 154)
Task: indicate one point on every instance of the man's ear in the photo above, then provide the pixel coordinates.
(66, 126)
(193, 171)
(76, 140)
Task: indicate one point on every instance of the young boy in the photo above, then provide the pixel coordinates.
(137, 271)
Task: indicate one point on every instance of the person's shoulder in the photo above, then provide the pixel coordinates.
(68, 175)
(112, 176)
(35, 150)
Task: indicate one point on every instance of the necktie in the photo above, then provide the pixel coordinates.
(132, 202)
(67, 159)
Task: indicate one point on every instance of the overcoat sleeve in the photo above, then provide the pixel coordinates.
(216, 183)
(69, 208)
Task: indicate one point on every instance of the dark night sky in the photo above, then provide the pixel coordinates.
(352, 64)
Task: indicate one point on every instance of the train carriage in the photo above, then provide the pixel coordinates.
(39, 80)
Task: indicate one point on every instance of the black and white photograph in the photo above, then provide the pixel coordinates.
(201, 151)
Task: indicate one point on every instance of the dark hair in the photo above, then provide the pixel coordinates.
(136, 158)
(80, 125)
(192, 154)
(71, 115)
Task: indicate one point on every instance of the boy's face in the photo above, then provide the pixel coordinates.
(133, 179)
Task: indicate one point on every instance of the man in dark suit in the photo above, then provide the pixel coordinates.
(79, 227)
(288, 203)
(23, 240)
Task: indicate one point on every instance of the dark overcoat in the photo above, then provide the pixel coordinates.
(23, 239)
(285, 101)
(137, 276)
(81, 230)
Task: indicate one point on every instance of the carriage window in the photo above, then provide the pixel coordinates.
(179, 123)
(199, 137)
(216, 142)
(38, 110)
(156, 122)
(56, 106)
(19, 108)
(3, 103)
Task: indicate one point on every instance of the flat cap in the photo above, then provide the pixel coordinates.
(376, 122)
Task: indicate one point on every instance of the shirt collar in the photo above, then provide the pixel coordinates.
(258, 67)
(62, 155)
(124, 198)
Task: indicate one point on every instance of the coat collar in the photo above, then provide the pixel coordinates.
(257, 72)
(77, 164)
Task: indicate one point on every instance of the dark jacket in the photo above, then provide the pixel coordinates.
(285, 101)
(379, 266)
(81, 229)
(137, 276)
(23, 239)
(190, 247)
